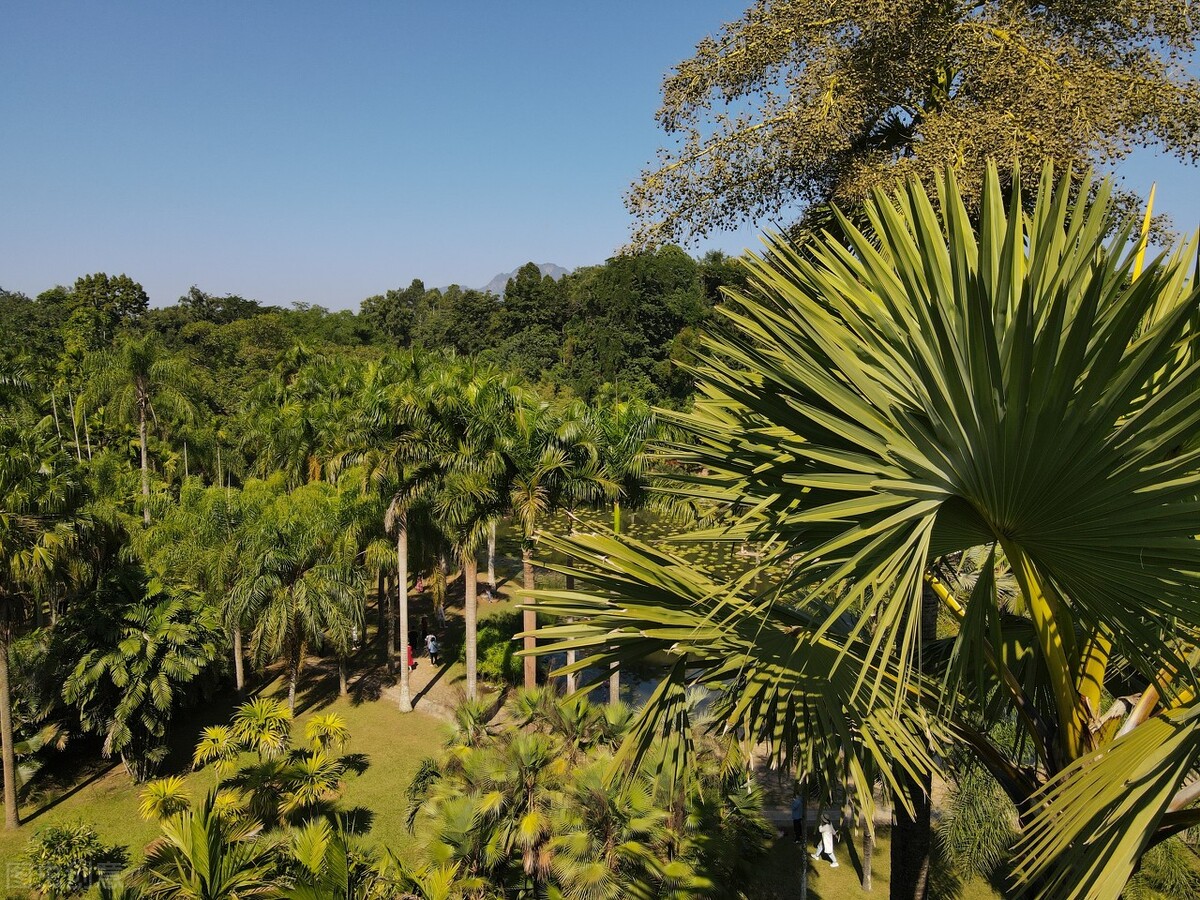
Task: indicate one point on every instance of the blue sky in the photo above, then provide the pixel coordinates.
(324, 152)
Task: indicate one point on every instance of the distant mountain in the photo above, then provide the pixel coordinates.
(497, 284)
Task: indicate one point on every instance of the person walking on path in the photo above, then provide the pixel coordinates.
(431, 645)
(825, 846)
(798, 813)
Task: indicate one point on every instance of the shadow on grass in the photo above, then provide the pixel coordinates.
(46, 806)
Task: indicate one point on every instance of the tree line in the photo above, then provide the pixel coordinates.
(158, 538)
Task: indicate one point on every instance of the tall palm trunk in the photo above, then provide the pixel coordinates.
(471, 617)
(390, 628)
(12, 813)
(868, 853)
(239, 670)
(402, 598)
(293, 678)
(491, 578)
(614, 678)
(912, 834)
(572, 681)
(529, 620)
(142, 439)
(380, 603)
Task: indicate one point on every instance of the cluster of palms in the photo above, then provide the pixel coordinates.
(1013, 381)
(439, 451)
(549, 809)
(169, 544)
(529, 810)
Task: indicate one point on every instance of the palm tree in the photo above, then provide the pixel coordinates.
(552, 463)
(204, 855)
(331, 864)
(297, 580)
(392, 446)
(1025, 386)
(197, 544)
(135, 382)
(129, 690)
(627, 428)
(475, 404)
(38, 492)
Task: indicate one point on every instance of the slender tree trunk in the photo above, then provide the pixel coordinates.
(239, 670)
(402, 598)
(804, 840)
(614, 679)
(379, 603)
(572, 680)
(471, 616)
(343, 689)
(491, 575)
(75, 428)
(293, 677)
(912, 835)
(529, 620)
(12, 812)
(142, 434)
(390, 643)
(868, 853)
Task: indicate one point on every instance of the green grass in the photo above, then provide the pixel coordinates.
(392, 744)
(777, 877)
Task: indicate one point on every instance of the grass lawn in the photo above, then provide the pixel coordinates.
(778, 876)
(392, 744)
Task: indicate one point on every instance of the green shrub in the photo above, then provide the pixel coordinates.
(497, 649)
(68, 859)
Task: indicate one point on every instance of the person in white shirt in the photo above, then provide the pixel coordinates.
(825, 845)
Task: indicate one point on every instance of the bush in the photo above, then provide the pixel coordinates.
(496, 649)
(68, 859)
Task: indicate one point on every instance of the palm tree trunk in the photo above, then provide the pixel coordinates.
(380, 601)
(402, 598)
(616, 516)
(390, 628)
(12, 813)
(804, 841)
(293, 677)
(471, 615)
(868, 853)
(491, 579)
(142, 434)
(343, 690)
(239, 671)
(912, 834)
(529, 620)
(614, 683)
(572, 682)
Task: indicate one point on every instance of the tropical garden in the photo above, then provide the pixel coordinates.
(571, 593)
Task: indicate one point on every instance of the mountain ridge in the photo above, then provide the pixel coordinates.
(498, 283)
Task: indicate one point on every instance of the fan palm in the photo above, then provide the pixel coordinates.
(931, 388)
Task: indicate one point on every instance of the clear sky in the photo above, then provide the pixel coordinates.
(324, 152)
